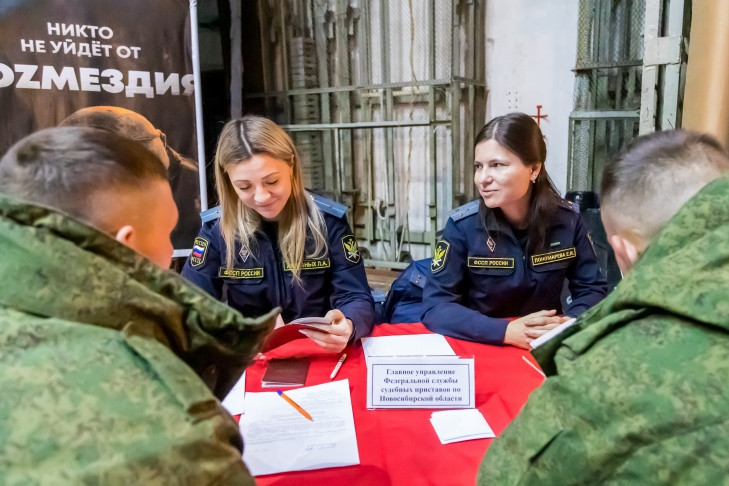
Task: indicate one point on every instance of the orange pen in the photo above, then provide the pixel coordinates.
(295, 405)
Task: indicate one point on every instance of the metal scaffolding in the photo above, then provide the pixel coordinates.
(383, 99)
(631, 57)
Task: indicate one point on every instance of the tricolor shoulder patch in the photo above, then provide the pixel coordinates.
(440, 254)
(351, 250)
(199, 251)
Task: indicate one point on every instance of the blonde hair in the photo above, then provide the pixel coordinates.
(240, 140)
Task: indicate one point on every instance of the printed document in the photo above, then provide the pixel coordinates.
(278, 438)
(234, 402)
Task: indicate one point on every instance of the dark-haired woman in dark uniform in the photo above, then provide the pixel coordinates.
(498, 271)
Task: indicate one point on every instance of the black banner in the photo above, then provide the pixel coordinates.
(59, 56)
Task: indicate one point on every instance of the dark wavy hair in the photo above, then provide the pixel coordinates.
(520, 134)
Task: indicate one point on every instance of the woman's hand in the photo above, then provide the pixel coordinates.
(339, 332)
(520, 332)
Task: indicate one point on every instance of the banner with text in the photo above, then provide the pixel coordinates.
(57, 57)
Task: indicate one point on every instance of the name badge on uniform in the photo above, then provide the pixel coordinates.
(313, 264)
(553, 256)
(239, 273)
(351, 250)
(199, 251)
(440, 254)
(489, 262)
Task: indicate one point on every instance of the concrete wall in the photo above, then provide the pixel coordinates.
(531, 47)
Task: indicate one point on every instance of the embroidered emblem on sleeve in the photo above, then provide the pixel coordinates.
(351, 251)
(440, 254)
(199, 251)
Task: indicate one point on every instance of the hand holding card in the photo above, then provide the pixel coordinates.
(314, 323)
(291, 331)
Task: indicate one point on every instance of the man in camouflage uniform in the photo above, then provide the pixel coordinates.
(109, 365)
(637, 390)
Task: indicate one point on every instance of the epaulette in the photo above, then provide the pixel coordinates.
(328, 206)
(572, 206)
(466, 210)
(211, 214)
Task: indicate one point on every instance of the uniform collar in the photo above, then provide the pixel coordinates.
(492, 222)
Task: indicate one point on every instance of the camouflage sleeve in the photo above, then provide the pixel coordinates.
(121, 410)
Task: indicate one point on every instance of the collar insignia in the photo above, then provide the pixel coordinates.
(244, 253)
(491, 244)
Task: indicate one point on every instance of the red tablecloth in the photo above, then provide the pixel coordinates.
(400, 447)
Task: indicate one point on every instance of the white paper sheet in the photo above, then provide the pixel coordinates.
(551, 334)
(234, 402)
(279, 439)
(407, 345)
(459, 425)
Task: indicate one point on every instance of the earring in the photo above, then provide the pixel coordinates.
(534, 181)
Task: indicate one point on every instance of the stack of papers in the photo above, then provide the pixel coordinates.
(459, 425)
(407, 345)
(278, 438)
(234, 402)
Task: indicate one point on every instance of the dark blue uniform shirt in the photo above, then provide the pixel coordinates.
(260, 279)
(480, 276)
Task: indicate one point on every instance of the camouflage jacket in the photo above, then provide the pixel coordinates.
(107, 362)
(639, 388)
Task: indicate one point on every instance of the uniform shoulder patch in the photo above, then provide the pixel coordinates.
(572, 206)
(328, 206)
(351, 250)
(211, 214)
(199, 251)
(440, 255)
(463, 211)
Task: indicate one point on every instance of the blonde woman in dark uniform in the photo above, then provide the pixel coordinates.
(277, 244)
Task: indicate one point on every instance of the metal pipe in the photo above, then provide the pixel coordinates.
(194, 40)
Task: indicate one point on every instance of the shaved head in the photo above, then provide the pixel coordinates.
(649, 181)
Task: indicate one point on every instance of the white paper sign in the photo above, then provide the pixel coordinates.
(420, 382)
(459, 425)
(407, 345)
